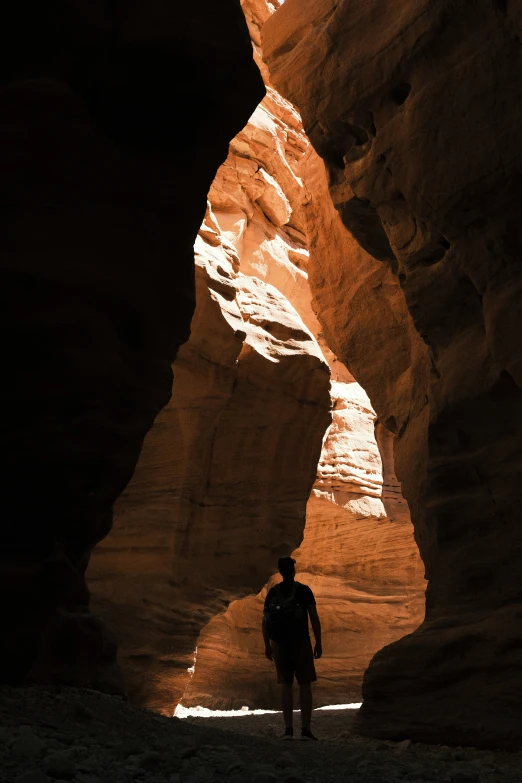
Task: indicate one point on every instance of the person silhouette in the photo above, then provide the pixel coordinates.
(288, 606)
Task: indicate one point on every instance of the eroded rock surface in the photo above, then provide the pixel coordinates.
(416, 112)
(103, 191)
(225, 475)
(221, 487)
(357, 555)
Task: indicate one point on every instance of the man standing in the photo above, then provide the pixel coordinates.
(288, 605)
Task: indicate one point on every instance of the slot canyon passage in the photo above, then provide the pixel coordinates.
(337, 376)
(221, 487)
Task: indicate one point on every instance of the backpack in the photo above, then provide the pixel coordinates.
(285, 616)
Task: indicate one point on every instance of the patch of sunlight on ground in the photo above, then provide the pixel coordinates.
(203, 712)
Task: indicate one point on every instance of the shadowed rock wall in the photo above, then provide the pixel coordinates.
(106, 159)
(358, 556)
(224, 478)
(415, 109)
(222, 483)
(220, 489)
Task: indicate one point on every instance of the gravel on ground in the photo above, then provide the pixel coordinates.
(64, 735)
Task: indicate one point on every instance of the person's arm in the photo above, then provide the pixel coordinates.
(266, 639)
(264, 627)
(316, 628)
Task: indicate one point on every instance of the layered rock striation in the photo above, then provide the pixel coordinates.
(415, 111)
(221, 487)
(104, 190)
(223, 483)
(358, 556)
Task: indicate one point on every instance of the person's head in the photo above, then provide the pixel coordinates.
(286, 566)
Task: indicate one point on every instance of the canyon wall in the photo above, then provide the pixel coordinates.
(358, 556)
(106, 162)
(221, 486)
(415, 110)
(223, 482)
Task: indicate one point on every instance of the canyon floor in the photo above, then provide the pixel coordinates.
(62, 734)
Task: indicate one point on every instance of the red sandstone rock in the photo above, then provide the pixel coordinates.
(221, 486)
(234, 494)
(103, 191)
(416, 111)
(224, 477)
(361, 562)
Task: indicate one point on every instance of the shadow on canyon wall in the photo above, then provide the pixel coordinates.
(114, 121)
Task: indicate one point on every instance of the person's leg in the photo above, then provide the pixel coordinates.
(287, 702)
(283, 660)
(305, 702)
(305, 673)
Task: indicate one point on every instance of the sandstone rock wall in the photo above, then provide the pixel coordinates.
(360, 560)
(415, 110)
(223, 481)
(221, 487)
(103, 191)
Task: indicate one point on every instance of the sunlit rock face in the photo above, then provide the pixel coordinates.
(357, 555)
(224, 479)
(104, 189)
(221, 487)
(415, 110)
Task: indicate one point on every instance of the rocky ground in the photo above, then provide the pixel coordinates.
(64, 735)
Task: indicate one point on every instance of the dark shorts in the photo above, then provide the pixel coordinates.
(296, 659)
